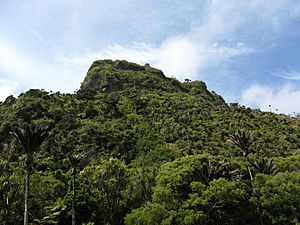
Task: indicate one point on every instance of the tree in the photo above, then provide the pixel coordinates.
(30, 136)
(74, 160)
(277, 198)
(243, 140)
(109, 180)
(209, 169)
(186, 195)
(263, 165)
(222, 202)
(10, 187)
(67, 145)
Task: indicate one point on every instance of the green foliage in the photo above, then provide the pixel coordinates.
(184, 197)
(278, 197)
(242, 140)
(291, 163)
(264, 165)
(109, 182)
(47, 189)
(146, 149)
(149, 214)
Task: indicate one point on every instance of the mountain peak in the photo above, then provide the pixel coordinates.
(119, 75)
(111, 76)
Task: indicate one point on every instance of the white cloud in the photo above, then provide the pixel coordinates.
(7, 87)
(289, 75)
(216, 35)
(13, 61)
(34, 73)
(209, 44)
(285, 98)
(179, 56)
(212, 42)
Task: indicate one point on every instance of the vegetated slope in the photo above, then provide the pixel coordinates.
(139, 136)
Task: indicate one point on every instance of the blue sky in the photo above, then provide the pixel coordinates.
(247, 51)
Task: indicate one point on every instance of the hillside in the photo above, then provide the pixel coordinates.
(146, 149)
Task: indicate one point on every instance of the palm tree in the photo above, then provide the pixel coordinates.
(6, 185)
(68, 145)
(264, 165)
(209, 169)
(74, 160)
(30, 136)
(243, 140)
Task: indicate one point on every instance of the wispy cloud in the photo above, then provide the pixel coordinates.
(211, 42)
(180, 56)
(284, 98)
(52, 44)
(214, 41)
(289, 75)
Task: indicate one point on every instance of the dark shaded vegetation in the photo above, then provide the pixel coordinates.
(135, 147)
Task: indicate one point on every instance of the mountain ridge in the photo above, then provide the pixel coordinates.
(114, 76)
(143, 148)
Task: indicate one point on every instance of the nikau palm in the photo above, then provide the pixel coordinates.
(74, 161)
(243, 140)
(264, 165)
(30, 136)
(68, 143)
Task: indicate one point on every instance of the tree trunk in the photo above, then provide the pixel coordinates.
(259, 212)
(250, 173)
(73, 196)
(8, 210)
(27, 176)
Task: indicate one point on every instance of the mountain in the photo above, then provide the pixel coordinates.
(116, 76)
(147, 149)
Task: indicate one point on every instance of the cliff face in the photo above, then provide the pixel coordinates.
(120, 75)
(108, 75)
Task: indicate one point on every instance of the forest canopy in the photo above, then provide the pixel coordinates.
(133, 146)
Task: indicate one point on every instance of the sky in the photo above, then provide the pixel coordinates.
(246, 51)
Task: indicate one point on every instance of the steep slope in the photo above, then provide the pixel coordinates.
(118, 75)
(138, 135)
(115, 76)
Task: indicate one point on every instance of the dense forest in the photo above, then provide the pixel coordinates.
(133, 146)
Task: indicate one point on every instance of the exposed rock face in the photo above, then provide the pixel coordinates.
(108, 75)
(119, 75)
